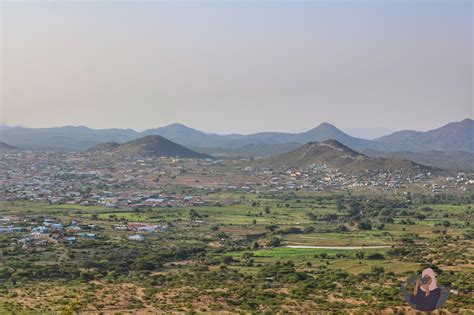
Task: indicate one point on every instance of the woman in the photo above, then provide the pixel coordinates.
(426, 292)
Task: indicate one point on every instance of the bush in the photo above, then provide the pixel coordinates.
(364, 226)
(376, 256)
(273, 242)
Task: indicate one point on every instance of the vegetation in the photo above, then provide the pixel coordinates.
(235, 258)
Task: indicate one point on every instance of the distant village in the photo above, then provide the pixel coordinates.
(133, 183)
(34, 231)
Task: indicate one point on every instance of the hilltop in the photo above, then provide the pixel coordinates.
(338, 156)
(156, 146)
(7, 147)
(448, 147)
(457, 136)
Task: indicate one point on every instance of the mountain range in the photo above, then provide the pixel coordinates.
(452, 138)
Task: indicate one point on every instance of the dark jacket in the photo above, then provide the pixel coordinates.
(423, 302)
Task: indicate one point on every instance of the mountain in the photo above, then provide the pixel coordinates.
(453, 136)
(191, 137)
(449, 160)
(6, 147)
(156, 146)
(186, 136)
(458, 136)
(338, 156)
(63, 138)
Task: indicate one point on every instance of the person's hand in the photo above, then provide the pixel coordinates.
(417, 285)
(427, 289)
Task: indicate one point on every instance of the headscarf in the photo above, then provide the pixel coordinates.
(429, 272)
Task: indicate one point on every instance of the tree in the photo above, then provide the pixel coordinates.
(312, 216)
(377, 270)
(364, 225)
(193, 215)
(376, 256)
(446, 223)
(273, 242)
(308, 229)
(247, 255)
(227, 260)
(360, 255)
(271, 228)
(420, 216)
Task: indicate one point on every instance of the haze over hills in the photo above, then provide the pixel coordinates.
(6, 147)
(453, 136)
(63, 138)
(155, 146)
(449, 160)
(456, 136)
(192, 137)
(338, 156)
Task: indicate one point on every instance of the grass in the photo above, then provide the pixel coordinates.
(348, 263)
(304, 253)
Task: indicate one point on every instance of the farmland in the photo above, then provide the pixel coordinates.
(220, 258)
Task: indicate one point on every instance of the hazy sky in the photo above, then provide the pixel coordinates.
(224, 66)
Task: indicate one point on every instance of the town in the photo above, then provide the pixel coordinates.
(132, 183)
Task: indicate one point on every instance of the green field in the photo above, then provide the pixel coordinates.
(218, 258)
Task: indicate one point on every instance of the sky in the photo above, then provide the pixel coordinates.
(236, 66)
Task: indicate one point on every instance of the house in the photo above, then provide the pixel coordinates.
(148, 229)
(136, 237)
(121, 228)
(69, 239)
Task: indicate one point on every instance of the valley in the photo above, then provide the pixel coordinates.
(135, 227)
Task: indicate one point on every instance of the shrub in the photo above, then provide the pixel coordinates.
(376, 256)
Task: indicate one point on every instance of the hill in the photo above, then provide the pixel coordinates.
(457, 136)
(6, 147)
(249, 150)
(191, 137)
(453, 136)
(338, 156)
(156, 146)
(449, 160)
(187, 136)
(63, 138)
